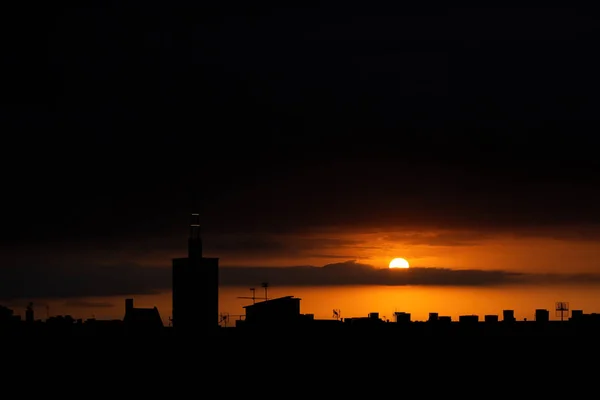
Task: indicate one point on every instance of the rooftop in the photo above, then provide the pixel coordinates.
(279, 299)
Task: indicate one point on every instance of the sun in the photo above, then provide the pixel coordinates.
(399, 263)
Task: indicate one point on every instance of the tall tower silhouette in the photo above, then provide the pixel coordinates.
(195, 287)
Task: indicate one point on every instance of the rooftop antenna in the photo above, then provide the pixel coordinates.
(266, 286)
(562, 307)
(224, 319)
(337, 314)
(253, 297)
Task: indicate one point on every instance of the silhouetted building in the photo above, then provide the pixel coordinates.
(508, 315)
(576, 315)
(283, 310)
(195, 287)
(60, 321)
(146, 319)
(29, 317)
(542, 315)
(402, 317)
(7, 316)
(592, 318)
(433, 317)
(468, 318)
(490, 318)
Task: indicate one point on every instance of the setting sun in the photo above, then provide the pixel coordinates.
(399, 263)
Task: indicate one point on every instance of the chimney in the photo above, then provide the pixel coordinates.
(29, 313)
(128, 305)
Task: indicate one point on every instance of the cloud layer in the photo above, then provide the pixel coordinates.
(72, 282)
(353, 273)
(400, 147)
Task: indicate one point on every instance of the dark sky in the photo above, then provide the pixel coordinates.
(118, 118)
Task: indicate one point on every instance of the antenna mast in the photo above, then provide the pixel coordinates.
(337, 314)
(266, 286)
(253, 297)
(224, 319)
(562, 307)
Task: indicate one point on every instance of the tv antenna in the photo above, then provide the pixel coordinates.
(562, 307)
(265, 285)
(337, 314)
(223, 319)
(253, 297)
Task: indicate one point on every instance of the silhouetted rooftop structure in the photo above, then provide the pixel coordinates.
(282, 310)
(490, 318)
(141, 318)
(468, 318)
(508, 315)
(6, 314)
(402, 317)
(195, 287)
(542, 315)
(29, 313)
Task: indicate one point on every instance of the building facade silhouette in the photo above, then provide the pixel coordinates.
(195, 287)
(142, 319)
(280, 310)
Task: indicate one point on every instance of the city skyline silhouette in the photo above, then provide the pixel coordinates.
(316, 145)
(196, 311)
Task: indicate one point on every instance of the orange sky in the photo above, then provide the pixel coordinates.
(353, 301)
(456, 250)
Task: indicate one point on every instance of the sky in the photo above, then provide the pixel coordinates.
(462, 139)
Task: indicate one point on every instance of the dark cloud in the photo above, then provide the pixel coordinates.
(30, 282)
(574, 233)
(329, 256)
(439, 239)
(88, 304)
(286, 245)
(389, 117)
(353, 273)
(246, 244)
(43, 280)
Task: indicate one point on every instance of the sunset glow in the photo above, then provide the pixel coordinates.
(399, 263)
(306, 149)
